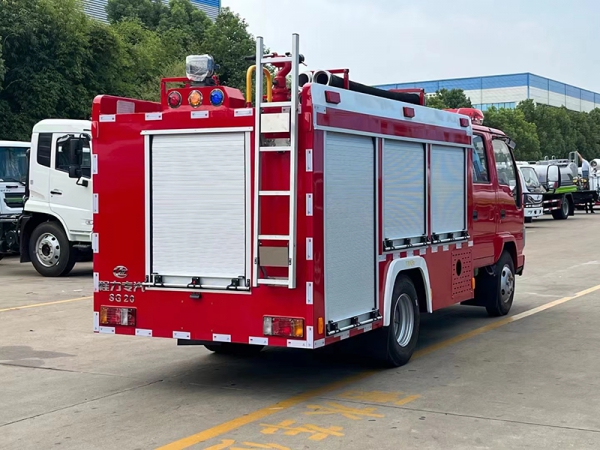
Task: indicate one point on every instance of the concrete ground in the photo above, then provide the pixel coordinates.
(528, 381)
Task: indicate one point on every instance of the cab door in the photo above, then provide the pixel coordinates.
(510, 192)
(70, 198)
(484, 203)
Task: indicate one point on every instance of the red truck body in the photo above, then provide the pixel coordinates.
(193, 232)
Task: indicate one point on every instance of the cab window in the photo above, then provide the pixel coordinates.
(480, 163)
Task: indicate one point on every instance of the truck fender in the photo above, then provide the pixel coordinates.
(503, 241)
(393, 269)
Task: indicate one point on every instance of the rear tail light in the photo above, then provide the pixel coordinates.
(112, 315)
(283, 326)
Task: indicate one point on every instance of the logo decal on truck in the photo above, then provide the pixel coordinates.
(120, 272)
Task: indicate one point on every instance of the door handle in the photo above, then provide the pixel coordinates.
(56, 192)
(475, 215)
(502, 213)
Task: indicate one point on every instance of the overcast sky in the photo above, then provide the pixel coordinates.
(391, 41)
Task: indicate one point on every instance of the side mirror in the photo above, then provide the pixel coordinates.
(75, 151)
(75, 171)
(553, 176)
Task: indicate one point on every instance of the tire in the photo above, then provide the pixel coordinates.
(56, 257)
(395, 344)
(235, 349)
(563, 212)
(528, 219)
(499, 290)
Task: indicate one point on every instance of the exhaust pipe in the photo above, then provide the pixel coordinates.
(328, 79)
(305, 77)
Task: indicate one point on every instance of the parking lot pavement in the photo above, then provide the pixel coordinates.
(526, 381)
(21, 285)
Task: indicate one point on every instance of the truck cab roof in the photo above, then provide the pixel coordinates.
(15, 144)
(62, 126)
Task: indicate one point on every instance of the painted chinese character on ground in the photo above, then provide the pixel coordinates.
(396, 398)
(230, 444)
(331, 408)
(316, 433)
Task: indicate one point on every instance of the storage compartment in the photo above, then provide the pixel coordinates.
(349, 173)
(448, 191)
(403, 192)
(198, 209)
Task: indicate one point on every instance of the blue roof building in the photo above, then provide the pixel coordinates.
(506, 91)
(96, 8)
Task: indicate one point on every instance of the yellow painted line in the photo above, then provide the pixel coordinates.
(37, 305)
(261, 413)
(238, 422)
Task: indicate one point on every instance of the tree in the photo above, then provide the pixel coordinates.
(449, 99)
(229, 41)
(52, 56)
(513, 123)
(148, 12)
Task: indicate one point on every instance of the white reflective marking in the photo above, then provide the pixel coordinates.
(106, 330)
(181, 335)
(153, 116)
(199, 115)
(309, 160)
(309, 293)
(221, 337)
(258, 340)
(96, 282)
(309, 249)
(108, 118)
(309, 205)
(95, 242)
(95, 203)
(96, 321)
(142, 332)
(243, 112)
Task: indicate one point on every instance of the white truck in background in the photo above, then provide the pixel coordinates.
(55, 228)
(13, 175)
(532, 192)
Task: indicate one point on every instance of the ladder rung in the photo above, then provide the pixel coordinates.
(276, 104)
(279, 59)
(273, 193)
(276, 149)
(279, 282)
(273, 237)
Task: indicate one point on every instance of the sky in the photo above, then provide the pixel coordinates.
(387, 41)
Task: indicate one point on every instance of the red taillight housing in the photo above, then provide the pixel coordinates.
(174, 99)
(283, 326)
(113, 316)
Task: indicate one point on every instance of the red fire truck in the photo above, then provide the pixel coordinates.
(316, 213)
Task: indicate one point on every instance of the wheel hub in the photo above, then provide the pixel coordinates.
(404, 320)
(48, 250)
(507, 283)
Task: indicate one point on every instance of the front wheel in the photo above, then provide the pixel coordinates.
(499, 288)
(50, 251)
(528, 219)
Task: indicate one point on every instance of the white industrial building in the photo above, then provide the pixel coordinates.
(97, 8)
(506, 91)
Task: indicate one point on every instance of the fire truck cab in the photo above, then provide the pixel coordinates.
(313, 214)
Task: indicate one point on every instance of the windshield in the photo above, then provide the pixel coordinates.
(13, 164)
(530, 177)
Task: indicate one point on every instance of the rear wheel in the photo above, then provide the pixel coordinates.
(50, 251)
(563, 212)
(396, 343)
(227, 348)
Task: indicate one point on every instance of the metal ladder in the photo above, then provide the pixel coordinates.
(291, 108)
